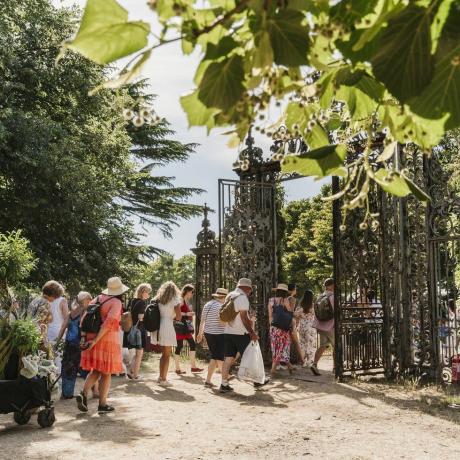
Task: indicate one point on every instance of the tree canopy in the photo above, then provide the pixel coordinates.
(333, 72)
(75, 175)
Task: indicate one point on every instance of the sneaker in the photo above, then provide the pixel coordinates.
(105, 409)
(164, 383)
(179, 372)
(82, 403)
(209, 385)
(225, 389)
(314, 369)
(197, 369)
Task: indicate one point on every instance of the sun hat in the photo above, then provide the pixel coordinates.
(115, 287)
(281, 287)
(220, 292)
(244, 282)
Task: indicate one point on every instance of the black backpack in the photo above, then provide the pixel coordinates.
(324, 311)
(92, 320)
(282, 318)
(152, 316)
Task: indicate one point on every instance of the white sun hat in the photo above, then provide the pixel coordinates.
(220, 292)
(115, 287)
(281, 287)
(244, 282)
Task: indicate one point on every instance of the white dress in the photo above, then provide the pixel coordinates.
(167, 333)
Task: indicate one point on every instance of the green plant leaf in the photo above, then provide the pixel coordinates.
(263, 56)
(438, 23)
(197, 113)
(322, 162)
(222, 83)
(349, 11)
(222, 48)
(442, 95)
(105, 34)
(399, 185)
(403, 61)
(289, 37)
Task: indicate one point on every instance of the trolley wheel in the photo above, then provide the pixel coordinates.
(447, 375)
(21, 418)
(46, 417)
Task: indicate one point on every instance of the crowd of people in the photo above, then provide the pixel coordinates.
(97, 356)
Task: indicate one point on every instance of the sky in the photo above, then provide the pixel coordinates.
(170, 74)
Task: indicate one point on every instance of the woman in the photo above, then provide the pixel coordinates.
(168, 297)
(183, 332)
(72, 353)
(53, 292)
(280, 337)
(103, 355)
(137, 308)
(307, 333)
(213, 330)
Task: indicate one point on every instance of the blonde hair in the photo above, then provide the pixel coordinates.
(167, 292)
(82, 295)
(143, 287)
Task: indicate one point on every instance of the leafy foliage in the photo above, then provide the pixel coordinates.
(25, 337)
(74, 175)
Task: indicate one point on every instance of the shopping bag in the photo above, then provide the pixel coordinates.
(252, 364)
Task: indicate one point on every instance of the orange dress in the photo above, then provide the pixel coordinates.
(105, 356)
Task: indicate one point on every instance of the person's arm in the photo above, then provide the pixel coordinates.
(63, 328)
(244, 314)
(204, 314)
(178, 312)
(64, 311)
(270, 312)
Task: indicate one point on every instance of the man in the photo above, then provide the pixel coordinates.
(239, 332)
(324, 328)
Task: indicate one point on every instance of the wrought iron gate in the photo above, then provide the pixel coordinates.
(247, 243)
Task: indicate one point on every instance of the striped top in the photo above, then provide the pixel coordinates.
(210, 315)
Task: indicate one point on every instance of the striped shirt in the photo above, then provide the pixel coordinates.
(210, 316)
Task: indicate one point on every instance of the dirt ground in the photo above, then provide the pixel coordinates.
(293, 417)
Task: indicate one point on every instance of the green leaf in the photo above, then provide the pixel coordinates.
(404, 62)
(125, 77)
(388, 152)
(222, 48)
(350, 11)
(105, 34)
(263, 56)
(365, 53)
(399, 185)
(322, 162)
(222, 83)
(438, 23)
(197, 113)
(289, 37)
(442, 95)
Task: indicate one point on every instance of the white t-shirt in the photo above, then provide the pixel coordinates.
(241, 303)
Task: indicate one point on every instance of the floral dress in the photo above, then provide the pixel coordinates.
(307, 335)
(280, 341)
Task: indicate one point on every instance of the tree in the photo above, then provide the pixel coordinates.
(166, 268)
(74, 174)
(308, 250)
(367, 71)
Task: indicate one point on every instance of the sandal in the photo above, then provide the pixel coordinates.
(197, 369)
(179, 372)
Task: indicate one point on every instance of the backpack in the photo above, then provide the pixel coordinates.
(227, 312)
(324, 311)
(152, 316)
(92, 320)
(282, 318)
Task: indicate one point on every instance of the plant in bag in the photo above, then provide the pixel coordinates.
(252, 364)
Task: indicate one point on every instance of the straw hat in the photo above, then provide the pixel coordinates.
(244, 282)
(281, 287)
(220, 292)
(115, 287)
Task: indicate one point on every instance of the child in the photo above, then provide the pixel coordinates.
(307, 333)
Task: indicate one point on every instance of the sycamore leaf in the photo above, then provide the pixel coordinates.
(125, 77)
(289, 37)
(322, 162)
(197, 113)
(388, 152)
(403, 61)
(442, 95)
(222, 48)
(438, 23)
(105, 34)
(399, 185)
(222, 83)
(263, 56)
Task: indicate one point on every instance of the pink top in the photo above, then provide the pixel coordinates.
(326, 326)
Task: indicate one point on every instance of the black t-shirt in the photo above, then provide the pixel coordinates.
(137, 307)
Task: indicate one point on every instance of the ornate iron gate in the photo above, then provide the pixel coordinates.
(247, 243)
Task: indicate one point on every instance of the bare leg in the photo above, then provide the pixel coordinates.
(104, 387)
(193, 358)
(296, 342)
(211, 369)
(177, 361)
(319, 353)
(136, 365)
(90, 381)
(274, 365)
(228, 363)
(164, 362)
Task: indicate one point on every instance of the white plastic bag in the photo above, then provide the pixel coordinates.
(252, 364)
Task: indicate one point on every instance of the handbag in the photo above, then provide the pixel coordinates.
(189, 324)
(135, 337)
(181, 327)
(282, 318)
